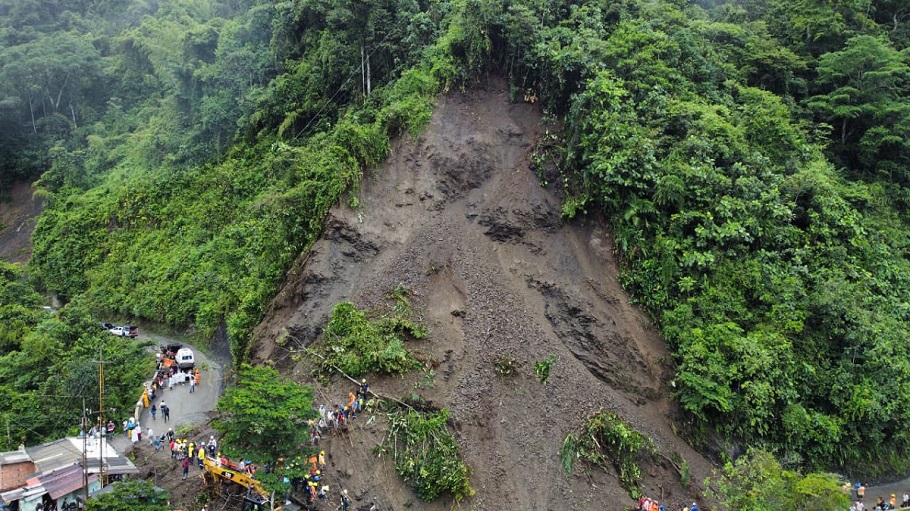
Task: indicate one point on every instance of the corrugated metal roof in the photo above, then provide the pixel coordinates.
(26, 492)
(53, 455)
(64, 481)
(120, 465)
(12, 495)
(66, 452)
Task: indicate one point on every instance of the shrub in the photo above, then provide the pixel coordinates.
(607, 439)
(356, 344)
(426, 454)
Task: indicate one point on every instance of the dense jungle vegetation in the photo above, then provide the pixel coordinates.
(752, 157)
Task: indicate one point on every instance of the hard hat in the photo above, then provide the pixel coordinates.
(318, 472)
(321, 452)
(344, 491)
(363, 380)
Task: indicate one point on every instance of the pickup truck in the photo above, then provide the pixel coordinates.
(125, 331)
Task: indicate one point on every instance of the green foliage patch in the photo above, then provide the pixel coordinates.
(542, 369)
(264, 417)
(778, 278)
(607, 440)
(48, 369)
(130, 495)
(426, 454)
(358, 345)
(756, 482)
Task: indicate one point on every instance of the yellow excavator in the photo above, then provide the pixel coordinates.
(256, 497)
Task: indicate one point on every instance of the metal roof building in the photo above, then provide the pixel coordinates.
(59, 470)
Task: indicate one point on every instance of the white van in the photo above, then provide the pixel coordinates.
(185, 359)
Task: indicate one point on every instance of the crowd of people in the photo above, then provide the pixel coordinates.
(880, 503)
(331, 419)
(336, 419)
(188, 453)
(649, 504)
(168, 375)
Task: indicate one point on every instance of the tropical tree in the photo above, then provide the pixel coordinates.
(131, 495)
(757, 482)
(863, 92)
(264, 417)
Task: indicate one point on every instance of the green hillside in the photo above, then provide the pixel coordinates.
(752, 158)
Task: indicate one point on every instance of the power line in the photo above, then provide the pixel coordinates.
(326, 104)
(41, 436)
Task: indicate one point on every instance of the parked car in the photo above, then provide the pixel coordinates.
(185, 358)
(125, 331)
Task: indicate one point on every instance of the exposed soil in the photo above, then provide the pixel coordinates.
(457, 217)
(17, 221)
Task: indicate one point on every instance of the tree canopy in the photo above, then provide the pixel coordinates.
(757, 482)
(752, 158)
(264, 417)
(49, 369)
(130, 495)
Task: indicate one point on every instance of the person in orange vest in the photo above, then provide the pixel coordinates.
(196, 375)
(352, 404)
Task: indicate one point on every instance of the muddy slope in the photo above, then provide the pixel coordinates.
(457, 217)
(18, 210)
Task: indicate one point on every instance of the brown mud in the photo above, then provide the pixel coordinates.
(18, 212)
(458, 219)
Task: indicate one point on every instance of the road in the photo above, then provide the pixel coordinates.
(884, 491)
(186, 408)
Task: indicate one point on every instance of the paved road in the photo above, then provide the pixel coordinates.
(186, 408)
(885, 490)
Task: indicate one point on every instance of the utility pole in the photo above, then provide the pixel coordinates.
(100, 413)
(84, 449)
